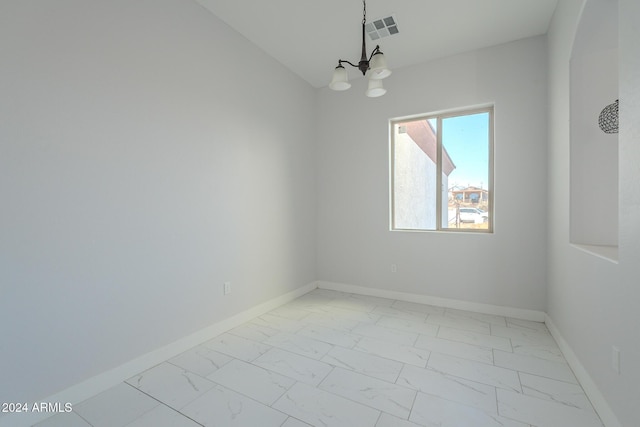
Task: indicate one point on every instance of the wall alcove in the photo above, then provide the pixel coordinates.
(594, 154)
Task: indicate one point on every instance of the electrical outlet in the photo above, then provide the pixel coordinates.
(394, 268)
(227, 288)
(615, 359)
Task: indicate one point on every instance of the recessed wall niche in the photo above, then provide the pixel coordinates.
(594, 154)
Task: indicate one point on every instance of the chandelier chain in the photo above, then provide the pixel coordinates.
(364, 11)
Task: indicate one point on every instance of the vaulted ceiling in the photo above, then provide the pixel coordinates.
(309, 37)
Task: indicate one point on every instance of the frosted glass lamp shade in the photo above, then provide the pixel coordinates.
(340, 80)
(378, 67)
(375, 88)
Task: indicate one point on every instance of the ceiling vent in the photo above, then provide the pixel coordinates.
(383, 27)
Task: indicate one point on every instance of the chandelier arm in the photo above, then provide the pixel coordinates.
(376, 50)
(340, 61)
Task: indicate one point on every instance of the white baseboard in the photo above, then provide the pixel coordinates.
(517, 313)
(104, 381)
(598, 401)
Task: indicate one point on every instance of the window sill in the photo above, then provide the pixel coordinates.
(609, 253)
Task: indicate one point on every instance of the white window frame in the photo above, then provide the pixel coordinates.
(439, 116)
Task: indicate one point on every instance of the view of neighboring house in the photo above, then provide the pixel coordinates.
(468, 205)
(471, 194)
(415, 154)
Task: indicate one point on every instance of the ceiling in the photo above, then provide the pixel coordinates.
(309, 37)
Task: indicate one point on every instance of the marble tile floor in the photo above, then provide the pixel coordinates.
(336, 359)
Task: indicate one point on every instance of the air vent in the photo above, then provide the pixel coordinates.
(383, 27)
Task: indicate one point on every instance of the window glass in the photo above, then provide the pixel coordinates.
(442, 172)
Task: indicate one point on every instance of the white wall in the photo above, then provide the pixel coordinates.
(595, 303)
(355, 245)
(144, 160)
(627, 302)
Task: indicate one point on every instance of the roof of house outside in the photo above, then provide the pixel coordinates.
(423, 135)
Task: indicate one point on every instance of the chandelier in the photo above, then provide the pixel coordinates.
(376, 64)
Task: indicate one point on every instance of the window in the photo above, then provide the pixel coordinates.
(452, 152)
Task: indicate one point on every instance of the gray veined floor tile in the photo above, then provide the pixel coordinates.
(254, 331)
(542, 412)
(474, 338)
(330, 321)
(237, 347)
(377, 394)
(324, 309)
(260, 384)
(368, 364)
(454, 348)
(346, 314)
(221, 407)
(300, 368)
(387, 420)
(417, 307)
(200, 360)
(300, 344)
(400, 313)
(434, 411)
(320, 408)
(542, 351)
(352, 303)
(408, 325)
(163, 416)
(401, 353)
(472, 325)
(330, 336)
(448, 387)
(557, 391)
(534, 365)
(385, 334)
(67, 419)
(474, 371)
(131, 404)
(288, 312)
(487, 318)
(293, 422)
(170, 384)
(282, 324)
(523, 335)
